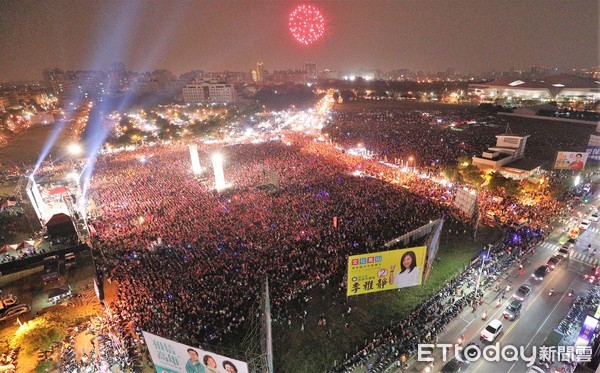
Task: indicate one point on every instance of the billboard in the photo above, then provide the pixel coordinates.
(385, 270)
(593, 153)
(172, 357)
(574, 161)
(466, 201)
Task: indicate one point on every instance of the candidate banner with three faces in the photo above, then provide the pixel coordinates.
(385, 270)
(172, 357)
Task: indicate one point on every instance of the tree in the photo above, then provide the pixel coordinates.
(501, 184)
(346, 95)
(453, 174)
(38, 334)
(336, 96)
(472, 175)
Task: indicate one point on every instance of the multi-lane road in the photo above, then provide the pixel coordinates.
(541, 312)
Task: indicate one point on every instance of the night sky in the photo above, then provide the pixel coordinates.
(471, 36)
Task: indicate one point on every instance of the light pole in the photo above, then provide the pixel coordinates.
(487, 255)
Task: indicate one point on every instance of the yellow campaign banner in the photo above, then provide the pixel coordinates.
(386, 270)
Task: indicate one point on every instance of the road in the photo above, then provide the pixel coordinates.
(541, 313)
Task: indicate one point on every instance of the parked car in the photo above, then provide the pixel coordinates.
(585, 224)
(15, 311)
(522, 292)
(595, 216)
(492, 330)
(554, 262)
(540, 273)
(513, 310)
(565, 251)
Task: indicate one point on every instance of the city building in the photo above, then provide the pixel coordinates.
(259, 73)
(521, 91)
(209, 92)
(507, 157)
(311, 70)
(291, 76)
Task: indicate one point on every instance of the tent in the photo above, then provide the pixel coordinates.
(13, 247)
(58, 190)
(60, 225)
(26, 244)
(4, 249)
(8, 203)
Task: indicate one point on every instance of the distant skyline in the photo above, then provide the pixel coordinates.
(470, 36)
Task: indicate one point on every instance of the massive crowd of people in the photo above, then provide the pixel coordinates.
(183, 255)
(440, 137)
(189, 261)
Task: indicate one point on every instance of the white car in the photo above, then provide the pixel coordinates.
(595, 217)
(492, 330)
(585, 224)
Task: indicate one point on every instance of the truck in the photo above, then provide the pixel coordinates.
(70, 260)
(51, 269)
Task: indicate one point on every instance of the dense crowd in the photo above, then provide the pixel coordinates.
(439, 137)
(186, 258)
(188, 261)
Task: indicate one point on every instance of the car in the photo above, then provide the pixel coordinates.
(540, 273)
(492, 330)
(571, 242)
(15, 311)
(554, 262)
(593, 277)
(565, 251)
(513, 310)
(458, 363)
(585, 224)
(595, 216)
(522, 292)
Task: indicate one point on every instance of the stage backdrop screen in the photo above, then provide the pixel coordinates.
(172, 357)
(574, 161)
(385, 270)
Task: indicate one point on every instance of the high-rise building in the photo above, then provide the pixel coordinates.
(311, 70)
(260, 72)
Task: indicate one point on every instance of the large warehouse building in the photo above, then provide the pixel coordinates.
(560, 88)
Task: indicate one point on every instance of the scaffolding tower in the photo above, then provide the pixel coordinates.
(259, 351)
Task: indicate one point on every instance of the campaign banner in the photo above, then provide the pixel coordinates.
(587, 331)
(385, 270)
(173, 357)
(574, 161)
(593, 153)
